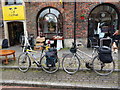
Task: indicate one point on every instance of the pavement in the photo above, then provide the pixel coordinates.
(35, 77)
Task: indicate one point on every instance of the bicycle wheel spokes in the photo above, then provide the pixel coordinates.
(70, 63)
(49, 68)
(24, 62)
(103, 68)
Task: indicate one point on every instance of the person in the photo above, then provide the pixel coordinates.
(116, 37)
(116, 32)
(101, 34)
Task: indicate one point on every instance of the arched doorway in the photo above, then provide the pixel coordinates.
(49, 22)
(103, 21)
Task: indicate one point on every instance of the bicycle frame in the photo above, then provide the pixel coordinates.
(94, 63)
(32, 56)
(25, 43)
(81, 52)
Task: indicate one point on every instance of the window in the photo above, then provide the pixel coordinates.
(50, 22)
(12, 2)
(103, 19)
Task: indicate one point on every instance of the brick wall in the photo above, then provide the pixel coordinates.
(33, 8)
(68, 19)
(82, 25)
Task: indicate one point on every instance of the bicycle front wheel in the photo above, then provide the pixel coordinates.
(102, 68)
(49, 69)
(24, 62)
(71, 63)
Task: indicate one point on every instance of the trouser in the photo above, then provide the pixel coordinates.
(116, 39)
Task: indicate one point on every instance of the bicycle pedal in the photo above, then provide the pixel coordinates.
(88, 65)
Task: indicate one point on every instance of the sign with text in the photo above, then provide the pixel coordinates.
(13, 13)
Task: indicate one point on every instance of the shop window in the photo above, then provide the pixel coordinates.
(13, 2)
(103, 21)
(50, 22)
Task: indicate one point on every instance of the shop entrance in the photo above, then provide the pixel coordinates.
(15, 30)
(103, 22)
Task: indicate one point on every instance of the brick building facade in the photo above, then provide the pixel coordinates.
(66, 9)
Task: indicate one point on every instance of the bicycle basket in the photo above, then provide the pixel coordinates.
(105, 54)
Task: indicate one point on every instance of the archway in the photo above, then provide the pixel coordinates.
(103, 21)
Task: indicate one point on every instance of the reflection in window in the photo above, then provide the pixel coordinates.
(12, 2)
(44, 12)
(19, 1)
(54, 12)
(50, 22)
(103, 18)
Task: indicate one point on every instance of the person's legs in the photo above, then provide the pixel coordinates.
(117, 40)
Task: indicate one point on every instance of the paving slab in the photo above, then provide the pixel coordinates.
(39, 78)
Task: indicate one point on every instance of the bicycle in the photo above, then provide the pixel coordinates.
(25, 42)
(25, 60)
(71, 62)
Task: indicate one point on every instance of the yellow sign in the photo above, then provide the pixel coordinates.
(61, 1)
(13, 13)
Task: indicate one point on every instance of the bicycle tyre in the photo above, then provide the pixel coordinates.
(24, 62)
(71, 60)
(101, 68)
(49, 69)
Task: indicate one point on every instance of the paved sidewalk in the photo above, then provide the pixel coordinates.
(61, 53)
(36, 77)
(86, 79)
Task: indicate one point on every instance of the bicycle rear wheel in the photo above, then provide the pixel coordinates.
(24, 62)
(49, 69)
(102, 68)
(71, 63)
